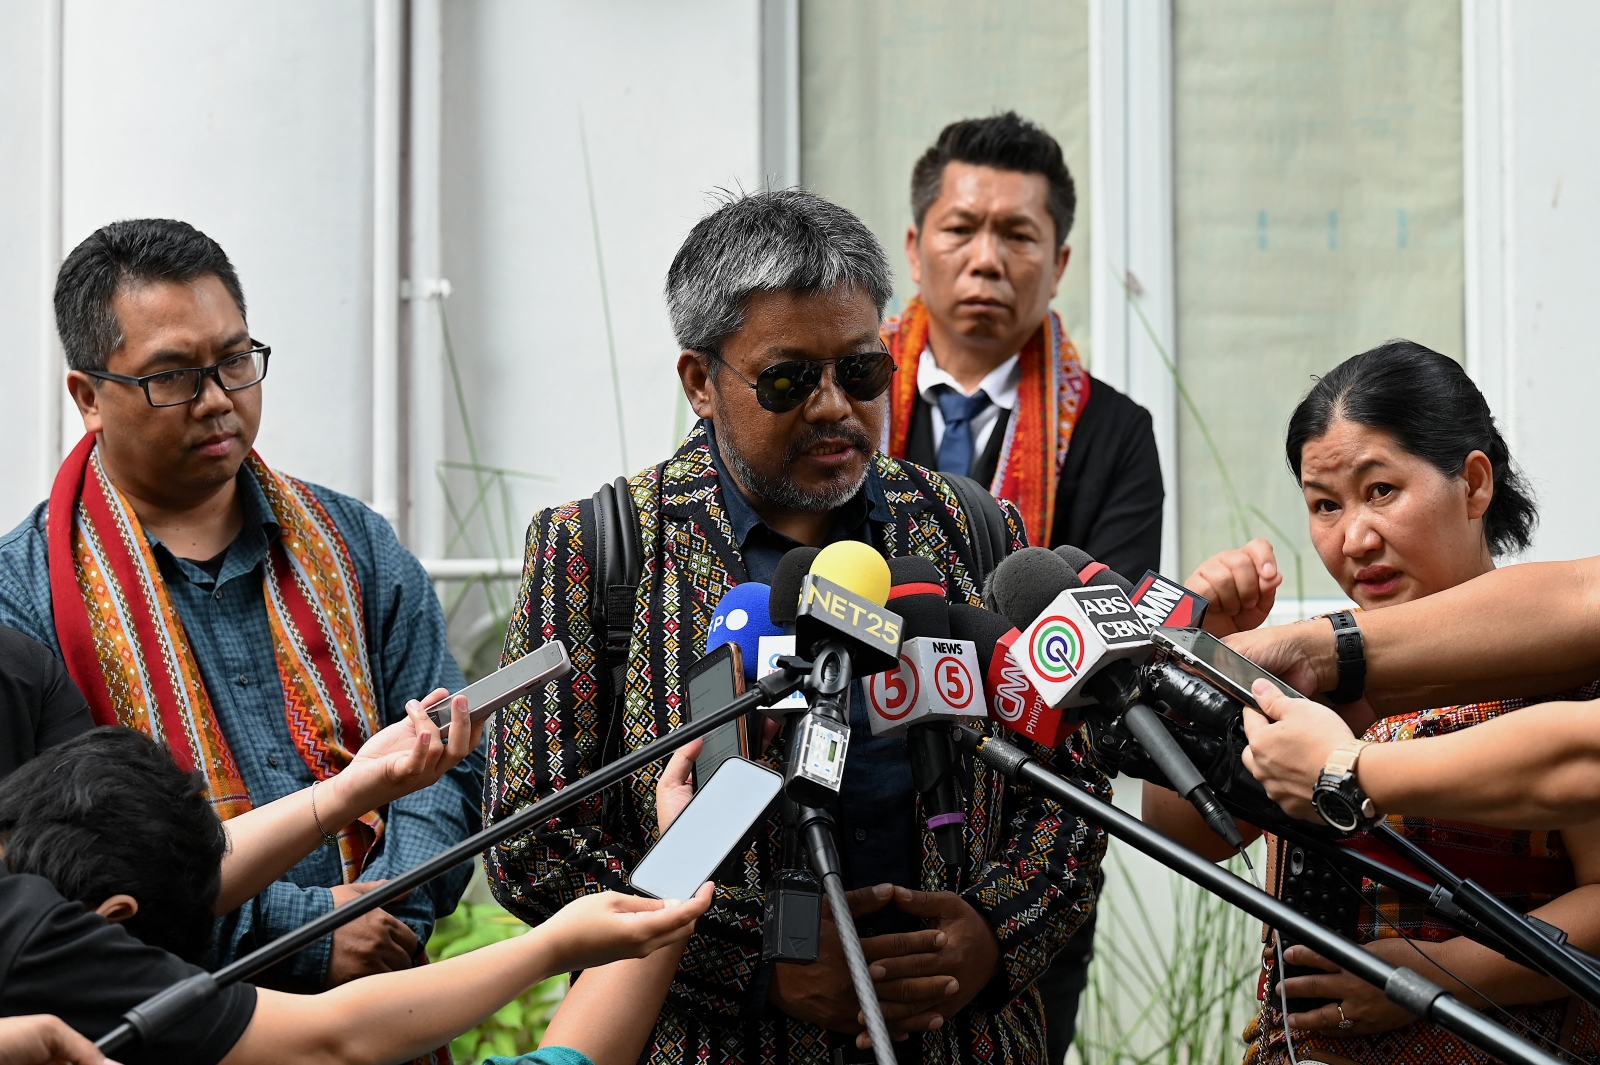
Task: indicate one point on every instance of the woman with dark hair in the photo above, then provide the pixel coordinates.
(1410, 490)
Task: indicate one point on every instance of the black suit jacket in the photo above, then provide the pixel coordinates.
(1109, 499)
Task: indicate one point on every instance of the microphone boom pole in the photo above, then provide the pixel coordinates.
(1406, 988)
(177, 1001)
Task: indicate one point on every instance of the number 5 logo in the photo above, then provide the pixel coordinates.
(954, 682)
(894, 692)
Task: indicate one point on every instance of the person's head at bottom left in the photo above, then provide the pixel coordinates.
(111, 820)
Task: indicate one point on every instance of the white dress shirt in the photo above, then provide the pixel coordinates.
(1001, 385)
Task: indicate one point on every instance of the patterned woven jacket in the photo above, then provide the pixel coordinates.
(1031, 865)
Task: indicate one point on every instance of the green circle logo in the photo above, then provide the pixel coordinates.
(1056, 650)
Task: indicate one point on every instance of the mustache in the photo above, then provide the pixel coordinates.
(812, 435)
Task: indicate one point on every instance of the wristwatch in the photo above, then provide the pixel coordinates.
(1352, 658)
(1337, 796)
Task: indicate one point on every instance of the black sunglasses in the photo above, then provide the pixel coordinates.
(783, 386)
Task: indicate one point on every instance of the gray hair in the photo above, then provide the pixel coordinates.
(787, 240)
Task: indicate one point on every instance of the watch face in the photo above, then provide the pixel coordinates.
(1336, 810)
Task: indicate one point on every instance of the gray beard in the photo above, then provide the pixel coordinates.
(785, 494)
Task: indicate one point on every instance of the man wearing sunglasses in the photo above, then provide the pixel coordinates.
(259, 626)
(991, 386)
(776, 300)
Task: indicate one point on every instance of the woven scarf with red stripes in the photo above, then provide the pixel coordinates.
(125, 646)
(1052, 391)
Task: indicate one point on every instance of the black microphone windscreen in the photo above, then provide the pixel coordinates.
(1092, 571)
(916, 593)
(1026, 582)
(784, 603)
(982, 627)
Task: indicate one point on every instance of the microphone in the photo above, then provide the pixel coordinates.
(841, 624)
(1161, 601)
(782, 605)
(1084, 647)
(743, 617)
(1012, 699)
(936, 682)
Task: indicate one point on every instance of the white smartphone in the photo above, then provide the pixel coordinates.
(719, 816)
(1215, 661)
(504, 686)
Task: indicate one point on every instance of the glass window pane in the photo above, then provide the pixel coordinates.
(879, 80)
(1318, 213)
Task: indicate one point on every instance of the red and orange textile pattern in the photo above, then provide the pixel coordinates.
(1052, 391)
(125, 646)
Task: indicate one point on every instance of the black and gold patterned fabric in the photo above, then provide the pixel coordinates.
(1031, 866)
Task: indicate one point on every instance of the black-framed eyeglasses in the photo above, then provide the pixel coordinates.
(175, 388)
(783, 386)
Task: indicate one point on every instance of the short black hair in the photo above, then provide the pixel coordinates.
(110, 813)
(1004, 142)
(1427, 402)
(133, 252)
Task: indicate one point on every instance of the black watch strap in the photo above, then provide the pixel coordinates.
(1352, 659)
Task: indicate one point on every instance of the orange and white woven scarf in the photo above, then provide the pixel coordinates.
(125, 646)
(1052, 391)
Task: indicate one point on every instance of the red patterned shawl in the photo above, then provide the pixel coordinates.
(1052, 392)
(125, 646)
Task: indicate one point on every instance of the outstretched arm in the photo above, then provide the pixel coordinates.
(1537, 768)
(405, 757)
(1528, 628)
(400, 1015)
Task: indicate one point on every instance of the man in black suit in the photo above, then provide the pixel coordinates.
(989, 384)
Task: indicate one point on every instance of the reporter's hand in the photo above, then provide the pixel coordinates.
(1290, 740)
(408, 755)
(602, 928)
(920, 991)
(1368, 1009)
(1241, 584)
(676, 786)
(1303, 655)
(45, 1040)
(375, 942)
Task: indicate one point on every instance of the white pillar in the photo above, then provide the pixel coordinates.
(387, 67)
(50, 364)
(425, 525)
(1132, 282)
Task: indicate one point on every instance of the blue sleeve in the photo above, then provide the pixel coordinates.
(25, 603)
(281, 908)
(410, 658)
(545, 1056)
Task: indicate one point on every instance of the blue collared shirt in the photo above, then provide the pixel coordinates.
(877, 814)
(225, 618)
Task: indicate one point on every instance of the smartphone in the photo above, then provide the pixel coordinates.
(504, 686)
(1218, 663)
(716, 820)
(714, 682)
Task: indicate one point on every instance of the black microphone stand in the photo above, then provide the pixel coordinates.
(172, 1004)
(829, 685)
(1411, 991)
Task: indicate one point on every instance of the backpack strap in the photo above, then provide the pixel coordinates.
(619, 559)
(986, 522)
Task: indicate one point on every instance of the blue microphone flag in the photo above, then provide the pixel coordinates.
(742, 618)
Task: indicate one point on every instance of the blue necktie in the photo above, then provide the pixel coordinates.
(955, 449)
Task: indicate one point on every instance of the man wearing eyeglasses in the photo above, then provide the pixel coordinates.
(776, 300)
(259, 626)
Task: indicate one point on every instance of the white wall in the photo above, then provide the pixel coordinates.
(669, 96)
(1533, 223)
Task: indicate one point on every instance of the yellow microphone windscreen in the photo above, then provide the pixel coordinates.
(856, 567)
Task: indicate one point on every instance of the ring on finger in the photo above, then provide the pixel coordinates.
(1345, 1023)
